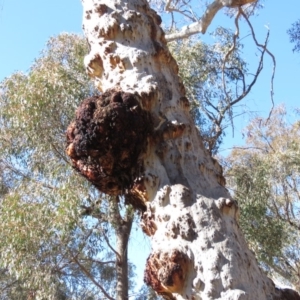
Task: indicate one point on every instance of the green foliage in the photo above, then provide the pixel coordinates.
(265, 178)
(147, 293)
(55, 225)
(264, 232)
(294, 33)
(47, 247)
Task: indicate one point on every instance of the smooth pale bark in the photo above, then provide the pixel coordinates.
(198, 251)
(122, 233)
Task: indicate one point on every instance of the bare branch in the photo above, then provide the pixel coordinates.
(246, 89)
(202, 25)
(236, 35)
(293, 224)
(189, 14)
(6, 287)
(247, 148)
(99, 261)
(21, 173)
(88, 274)
(168, 4)
(110, 246)
(59, 153)
(183, 12)
(264, 47)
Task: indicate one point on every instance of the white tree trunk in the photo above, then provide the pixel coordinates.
(198, 251)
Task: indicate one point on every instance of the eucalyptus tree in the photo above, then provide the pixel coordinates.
(48, 99)
(57, 237)
(265, 176)
(138, 139)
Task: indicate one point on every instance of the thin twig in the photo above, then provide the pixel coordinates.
(235, 36)
(88, 274)
(110, 246)
(20, 173)
(265, 49)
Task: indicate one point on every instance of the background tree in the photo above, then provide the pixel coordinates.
(215, 76)
(264, 176)
(55, 226)
(89, 208)
(26, 128)
(207, 77)
(27, 114)
(147, 293)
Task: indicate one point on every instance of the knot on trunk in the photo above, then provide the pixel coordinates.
(106, 139)
(166, 272)
(148, 224)
(228, 207)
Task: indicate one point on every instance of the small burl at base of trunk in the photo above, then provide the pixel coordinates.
(166, 272)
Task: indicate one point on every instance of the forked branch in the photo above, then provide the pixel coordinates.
(201, 25)
(219, 116)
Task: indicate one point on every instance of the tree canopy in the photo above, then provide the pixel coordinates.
(53, 219)
(264, 176)
(56, 231)
(51, 240)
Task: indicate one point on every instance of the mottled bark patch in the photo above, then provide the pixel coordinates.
(106, 139)
(166, 272)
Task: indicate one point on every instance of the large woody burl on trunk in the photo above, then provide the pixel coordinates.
(138, 139)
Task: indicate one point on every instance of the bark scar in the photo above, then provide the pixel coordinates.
(228, 207)
(167, 130)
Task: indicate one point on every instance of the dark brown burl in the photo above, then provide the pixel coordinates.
(286, 294)
(106, 139)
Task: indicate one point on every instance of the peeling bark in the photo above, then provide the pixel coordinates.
(198, 251)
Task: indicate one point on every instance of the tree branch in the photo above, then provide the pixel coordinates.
(265, 49)
(236, 35)
(88, 274)
(98, 261)
(110, 246)
(202, 25)
(21, 173)
(171, 9)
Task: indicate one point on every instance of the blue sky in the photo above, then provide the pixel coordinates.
(25, 27)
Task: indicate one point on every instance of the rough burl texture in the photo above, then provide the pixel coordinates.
(166, 272)
(105, 140)
(286, 294)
